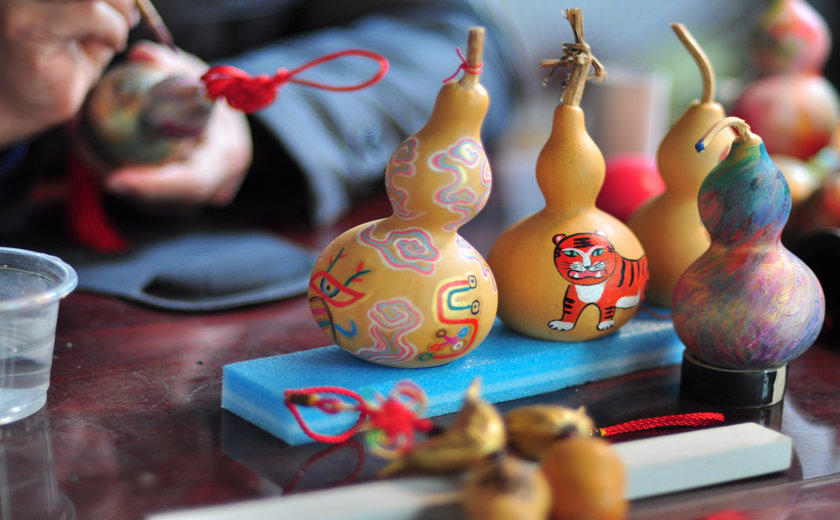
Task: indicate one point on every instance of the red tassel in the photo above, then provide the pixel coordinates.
(251, 93)
(392, 422)
(87, 221)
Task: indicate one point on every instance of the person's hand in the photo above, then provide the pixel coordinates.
(51, 53)
(211, 174)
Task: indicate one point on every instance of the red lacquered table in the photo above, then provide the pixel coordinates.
(133, 423)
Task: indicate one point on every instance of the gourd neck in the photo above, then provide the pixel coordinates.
(745, 200)
(570, 167)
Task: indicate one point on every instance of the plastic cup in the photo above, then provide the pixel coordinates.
(31, 285)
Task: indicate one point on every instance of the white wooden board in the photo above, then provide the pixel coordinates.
(655, 466)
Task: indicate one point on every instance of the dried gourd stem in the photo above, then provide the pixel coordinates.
(702, 60)
(475, 48)
(742, 131)
(579, 56)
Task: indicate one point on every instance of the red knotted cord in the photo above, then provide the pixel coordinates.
(396, 421)
(466, 67)
(667, 421)
(251, 93)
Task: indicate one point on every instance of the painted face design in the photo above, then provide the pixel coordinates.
(328, 292)
(598, 276)
(584, 258)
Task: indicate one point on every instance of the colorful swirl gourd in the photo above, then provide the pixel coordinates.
(747, 302)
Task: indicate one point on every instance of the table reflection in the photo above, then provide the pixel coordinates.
(28, 485)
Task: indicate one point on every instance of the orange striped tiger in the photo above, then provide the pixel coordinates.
(597, 276)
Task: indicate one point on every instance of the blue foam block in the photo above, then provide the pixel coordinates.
(511, 366)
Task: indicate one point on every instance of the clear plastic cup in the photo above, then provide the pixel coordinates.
(31, 285)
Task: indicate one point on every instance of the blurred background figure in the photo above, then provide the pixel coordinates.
(312, 154)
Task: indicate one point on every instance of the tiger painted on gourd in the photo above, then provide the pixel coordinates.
(597, 275)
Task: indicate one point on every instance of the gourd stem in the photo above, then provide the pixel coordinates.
(702, 60)
(742, 131)
(475, 48)
(579, 56)
(581, 64)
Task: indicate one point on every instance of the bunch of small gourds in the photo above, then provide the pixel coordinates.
(578, 475)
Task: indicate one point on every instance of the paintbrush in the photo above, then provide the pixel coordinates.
(152, 19)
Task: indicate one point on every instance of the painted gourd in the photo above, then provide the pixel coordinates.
(408, 290)
(669, 225)
(789, 36)
(139, 113)
(570, 271)
(790, 105)
(747, 302)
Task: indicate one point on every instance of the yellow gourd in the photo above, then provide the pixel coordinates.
(669, 225)
(569, 272)
(407, 290)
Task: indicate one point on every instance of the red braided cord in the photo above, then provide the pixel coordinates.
(667, 421)
(329, 408)
(466, 67)
(87, 221)
(251, 93)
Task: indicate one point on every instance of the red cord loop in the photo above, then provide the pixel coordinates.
(251, 93)
(466, 67)
(667, 421)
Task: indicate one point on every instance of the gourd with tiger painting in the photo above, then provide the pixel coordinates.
(408, 290)
(569, 272)
(669, 225)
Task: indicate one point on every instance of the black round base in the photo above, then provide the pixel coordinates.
(731, 388)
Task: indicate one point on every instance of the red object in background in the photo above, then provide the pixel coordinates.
(630, 181)
(795, 114)
(727, 514)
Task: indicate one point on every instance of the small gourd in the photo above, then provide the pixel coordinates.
(747, 302)
(140, 113)
(669, 225)
(408, 290)
(570, 271)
